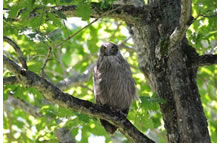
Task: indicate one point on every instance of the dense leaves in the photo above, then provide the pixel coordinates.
(37, 31)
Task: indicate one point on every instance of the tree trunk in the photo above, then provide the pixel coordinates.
(171, 75)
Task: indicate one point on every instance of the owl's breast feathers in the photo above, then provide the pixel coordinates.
(113, 82)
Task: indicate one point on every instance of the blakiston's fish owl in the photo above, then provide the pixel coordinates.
(113, 82)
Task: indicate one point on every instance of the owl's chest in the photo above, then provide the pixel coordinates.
(114, 81)
(113, 75)
(113, 85)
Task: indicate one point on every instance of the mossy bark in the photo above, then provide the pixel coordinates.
(171, 75)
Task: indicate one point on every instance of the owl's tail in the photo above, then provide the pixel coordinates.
(108, 126)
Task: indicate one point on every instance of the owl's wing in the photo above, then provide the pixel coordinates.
(96, 87)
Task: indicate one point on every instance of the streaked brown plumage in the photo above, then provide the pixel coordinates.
(113, 82)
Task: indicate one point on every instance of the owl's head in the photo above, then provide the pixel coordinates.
(109, 49)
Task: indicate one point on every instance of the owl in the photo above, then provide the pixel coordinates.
(113, 82)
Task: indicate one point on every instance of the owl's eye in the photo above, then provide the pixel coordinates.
(114, 50)
(103, 49)
(114, 47)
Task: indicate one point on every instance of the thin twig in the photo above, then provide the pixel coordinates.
(130, 49)
(25, 106)
(125, 41)
(122, 45)
(55, 74)
(74, 34)
(76, 78)
(60, 56)
(86, 87)
(21, 57)
(104, 14)
(43, 74)
(86, 26)
(205, 15)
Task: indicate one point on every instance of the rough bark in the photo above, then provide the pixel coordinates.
(171, 75)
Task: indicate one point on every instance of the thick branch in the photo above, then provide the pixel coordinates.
(205, 60)
(21, 57)
(55, 95)
(184, 22)
(127, 13)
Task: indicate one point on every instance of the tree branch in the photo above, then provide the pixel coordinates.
(10, 80)
(205, 15)
(16, 102)
(205, 60)
(43, 74)
(184, 22)
(60, 60)
(21, 57)
(127, 13)
(106, 13)
(75, 78)
(64, 135)
(54, 94)
(10, 122)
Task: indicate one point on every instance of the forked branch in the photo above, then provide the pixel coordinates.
(184, 22)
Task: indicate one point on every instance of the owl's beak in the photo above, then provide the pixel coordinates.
(111, 52)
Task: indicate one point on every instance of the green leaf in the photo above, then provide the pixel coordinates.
(36, 22)
(83, 10)
(60, 14)
(151, 103)
(107, 3)
(13, 12)
(55, 20)
(83, 117)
